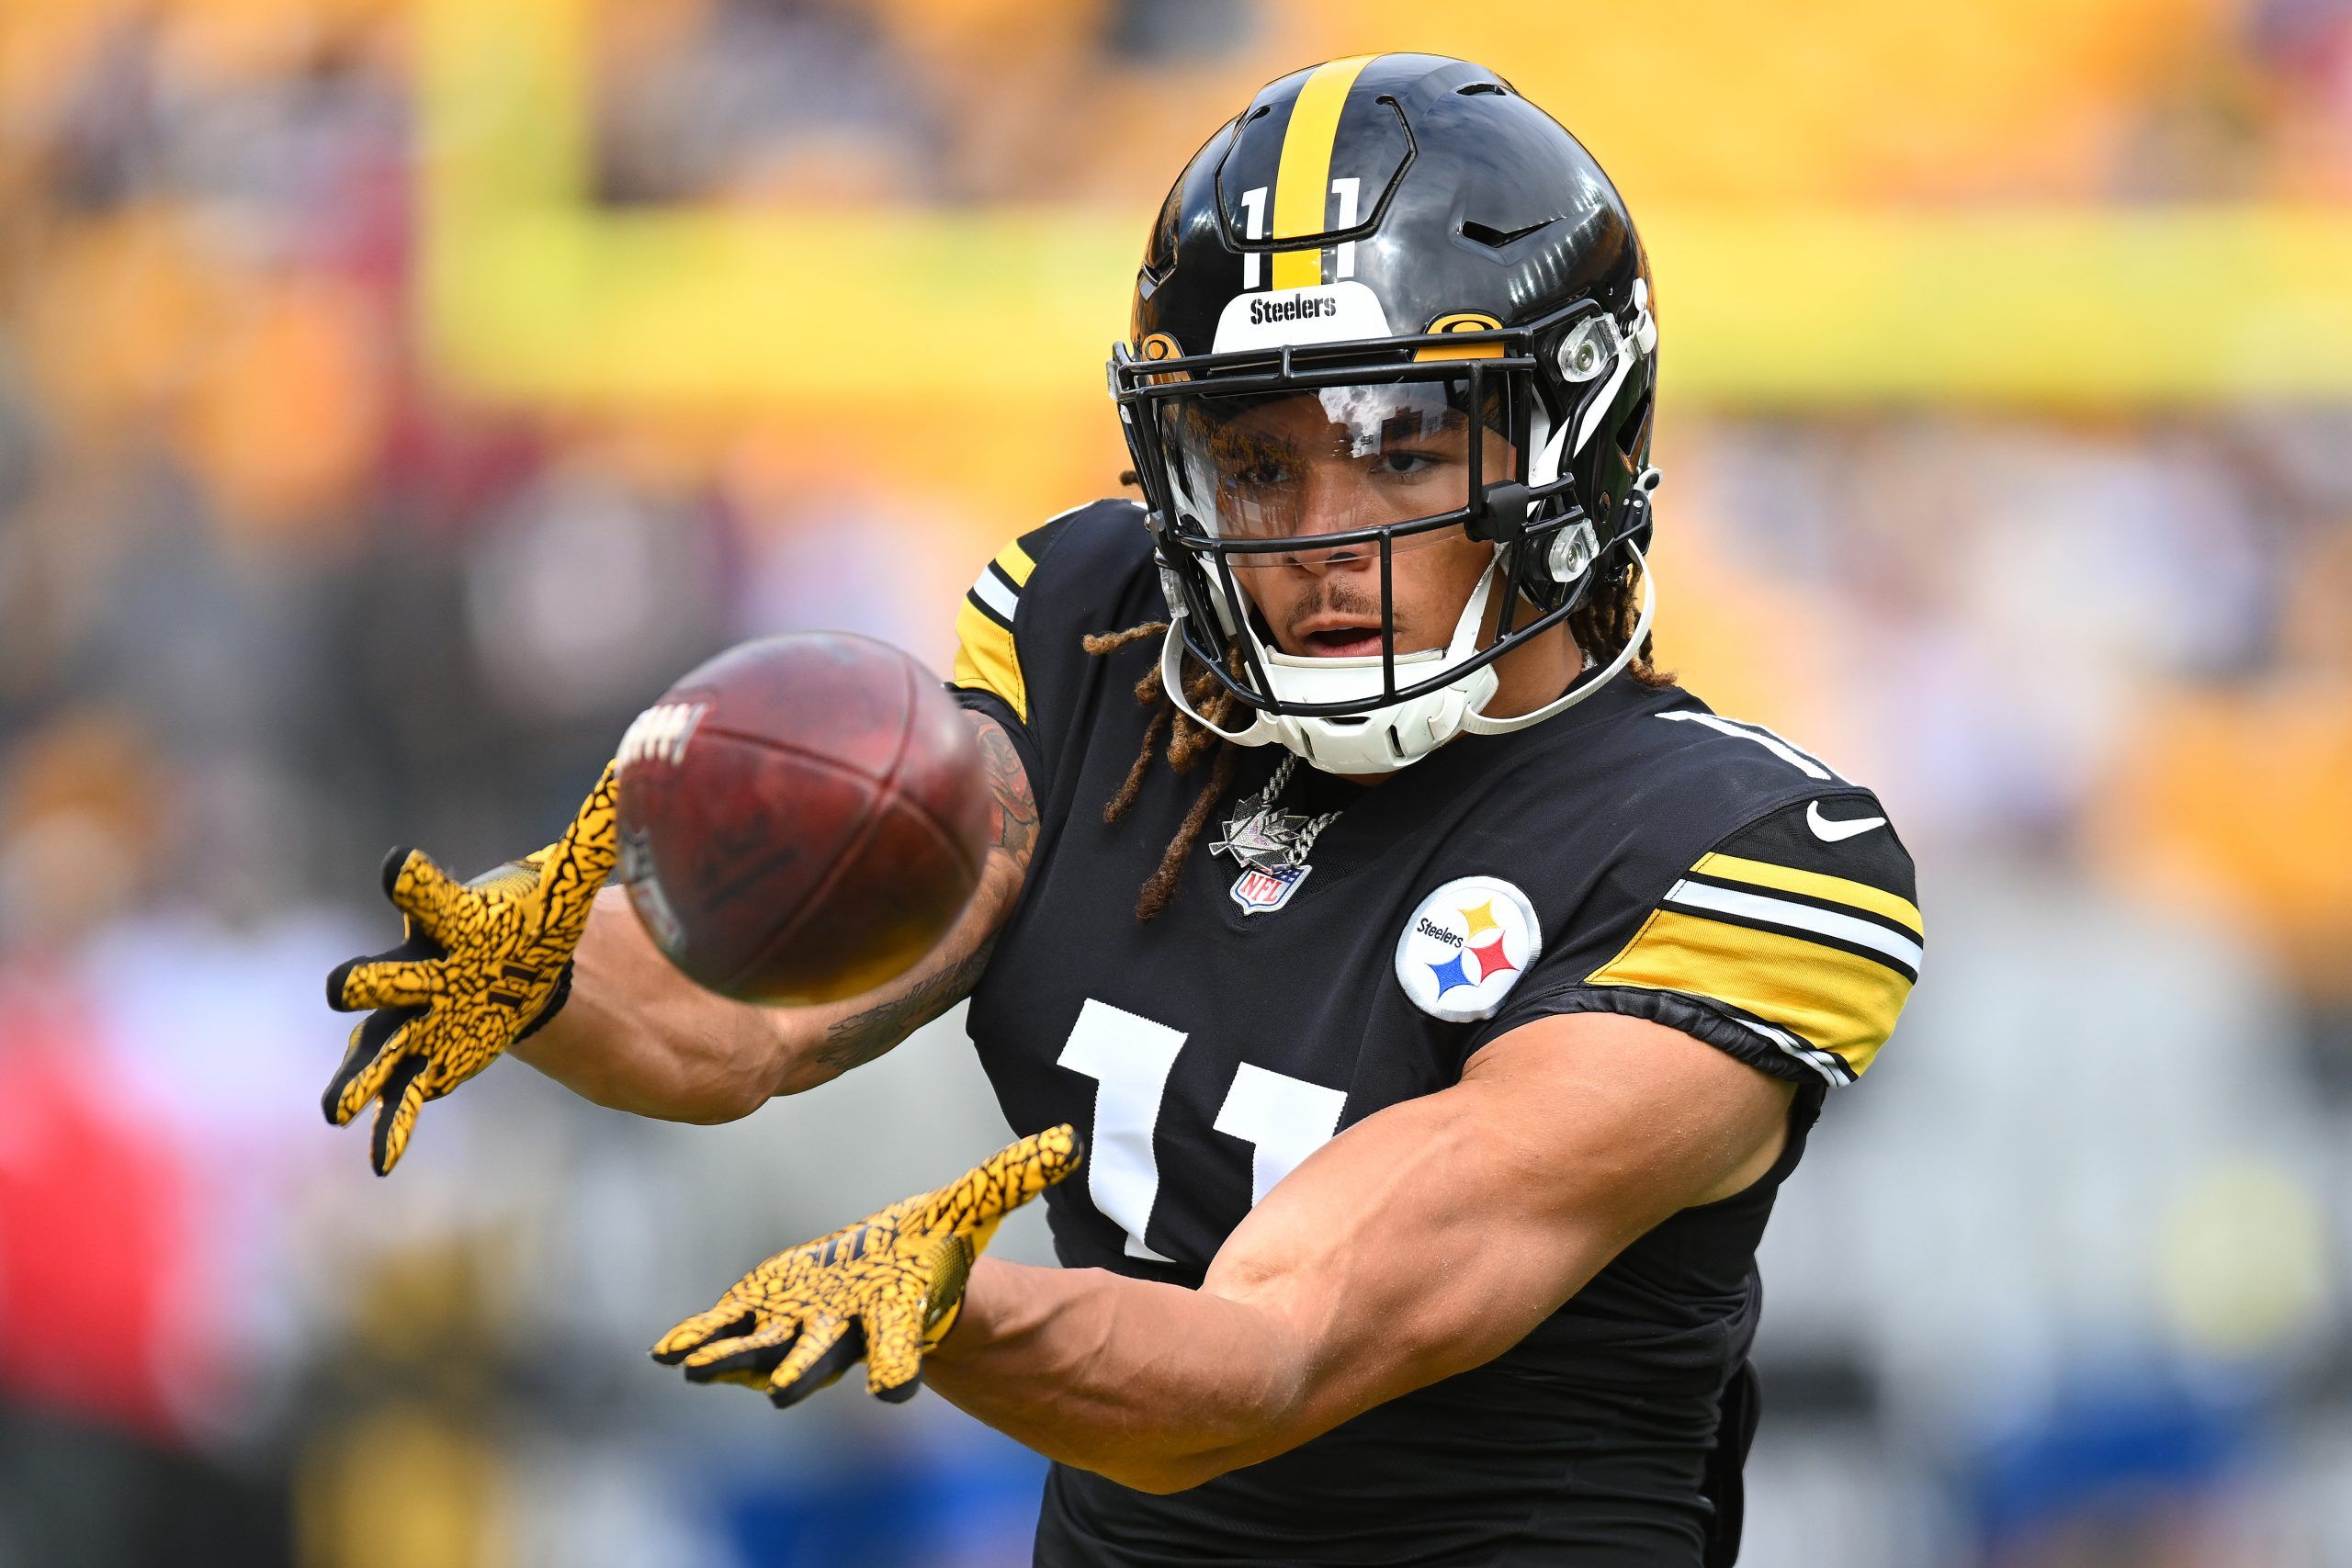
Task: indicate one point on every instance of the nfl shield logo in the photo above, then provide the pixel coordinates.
(1261, 892)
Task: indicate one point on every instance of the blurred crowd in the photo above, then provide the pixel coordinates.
(2064, 1282)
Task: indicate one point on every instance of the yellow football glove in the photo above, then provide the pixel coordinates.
(482, 965)
(887, 1288)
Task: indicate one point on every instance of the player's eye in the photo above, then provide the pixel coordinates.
(1404, 465)
(1264, 474)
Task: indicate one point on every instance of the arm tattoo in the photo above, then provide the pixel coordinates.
(856, 1039)
(1015, 810)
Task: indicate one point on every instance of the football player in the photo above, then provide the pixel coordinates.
(1438, 993)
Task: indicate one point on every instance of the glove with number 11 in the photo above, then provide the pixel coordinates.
(483, 964)
(887, 1289)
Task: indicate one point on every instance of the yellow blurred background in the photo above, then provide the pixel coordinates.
(395, 394)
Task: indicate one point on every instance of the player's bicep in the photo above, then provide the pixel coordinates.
(1012, 798)
(1434, 1235)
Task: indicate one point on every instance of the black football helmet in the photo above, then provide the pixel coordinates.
(1407, 240)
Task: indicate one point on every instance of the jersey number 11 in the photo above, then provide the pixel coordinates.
(1282, 1118)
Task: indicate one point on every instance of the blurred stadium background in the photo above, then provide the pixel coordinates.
(395, 394)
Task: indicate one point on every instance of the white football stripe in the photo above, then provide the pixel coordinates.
(1805, 917)
(995, 594)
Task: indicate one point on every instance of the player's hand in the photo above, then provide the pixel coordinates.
(481, 964)
(886, 1288)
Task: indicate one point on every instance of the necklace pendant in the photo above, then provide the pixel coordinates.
(1261, 838)
(1271, 846)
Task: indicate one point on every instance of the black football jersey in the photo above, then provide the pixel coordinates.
(1637, 853)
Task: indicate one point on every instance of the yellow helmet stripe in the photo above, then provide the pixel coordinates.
(1303, 179)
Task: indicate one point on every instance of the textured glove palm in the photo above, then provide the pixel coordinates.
(887, 1288)
(481, 966)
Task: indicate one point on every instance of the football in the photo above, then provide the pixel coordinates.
(802, 817)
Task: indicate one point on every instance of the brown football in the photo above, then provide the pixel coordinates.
(802, 817)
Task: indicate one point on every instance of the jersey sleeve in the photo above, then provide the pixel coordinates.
(1020, 630)
(1792, 944)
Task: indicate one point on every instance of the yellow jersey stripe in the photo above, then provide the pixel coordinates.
(1833, 1000)
(1814, 884)
(1303, 178)
(1016, 564)
(985, 659)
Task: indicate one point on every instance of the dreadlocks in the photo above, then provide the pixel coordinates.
(1601, 625)
(1186, 743)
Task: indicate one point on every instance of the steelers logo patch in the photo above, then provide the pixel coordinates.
(1465, 947)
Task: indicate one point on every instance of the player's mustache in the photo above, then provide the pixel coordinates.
(1335, 600)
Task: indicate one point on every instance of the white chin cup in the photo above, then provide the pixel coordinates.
(1391, 736)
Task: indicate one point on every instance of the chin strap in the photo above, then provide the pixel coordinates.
(1266, 728)
(1478, 723)
(1302, 735)
(1261, 727)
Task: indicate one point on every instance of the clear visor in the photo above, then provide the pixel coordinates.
(1300, 465)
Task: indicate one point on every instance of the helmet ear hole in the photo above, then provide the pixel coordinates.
(1633, 430)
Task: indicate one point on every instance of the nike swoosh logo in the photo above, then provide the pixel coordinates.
(1830, 832)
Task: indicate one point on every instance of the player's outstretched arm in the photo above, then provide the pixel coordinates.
(638, 1035)
(1424, 1241)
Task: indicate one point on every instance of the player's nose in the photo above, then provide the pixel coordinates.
(1331, 505)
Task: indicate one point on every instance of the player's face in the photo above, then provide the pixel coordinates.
(1326, 462)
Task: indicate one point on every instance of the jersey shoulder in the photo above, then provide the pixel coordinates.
(1703, 766)
(1666, 777)
(1750, 894)
(1027, 614)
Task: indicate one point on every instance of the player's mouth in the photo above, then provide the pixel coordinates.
(1340, 640)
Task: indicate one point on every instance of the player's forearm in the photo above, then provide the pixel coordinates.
(638, 1036)
(1155, 1386)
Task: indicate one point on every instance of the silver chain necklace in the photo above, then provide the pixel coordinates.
(1270, 844)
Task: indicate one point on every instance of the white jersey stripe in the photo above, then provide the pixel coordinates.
(1804, 917)
(993, 592)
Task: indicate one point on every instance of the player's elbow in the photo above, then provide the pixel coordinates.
(1272, 1421)
(727, 1073)
(1162, 1473)
(714, 1108)
(1161, 1481)
(671, 1097)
